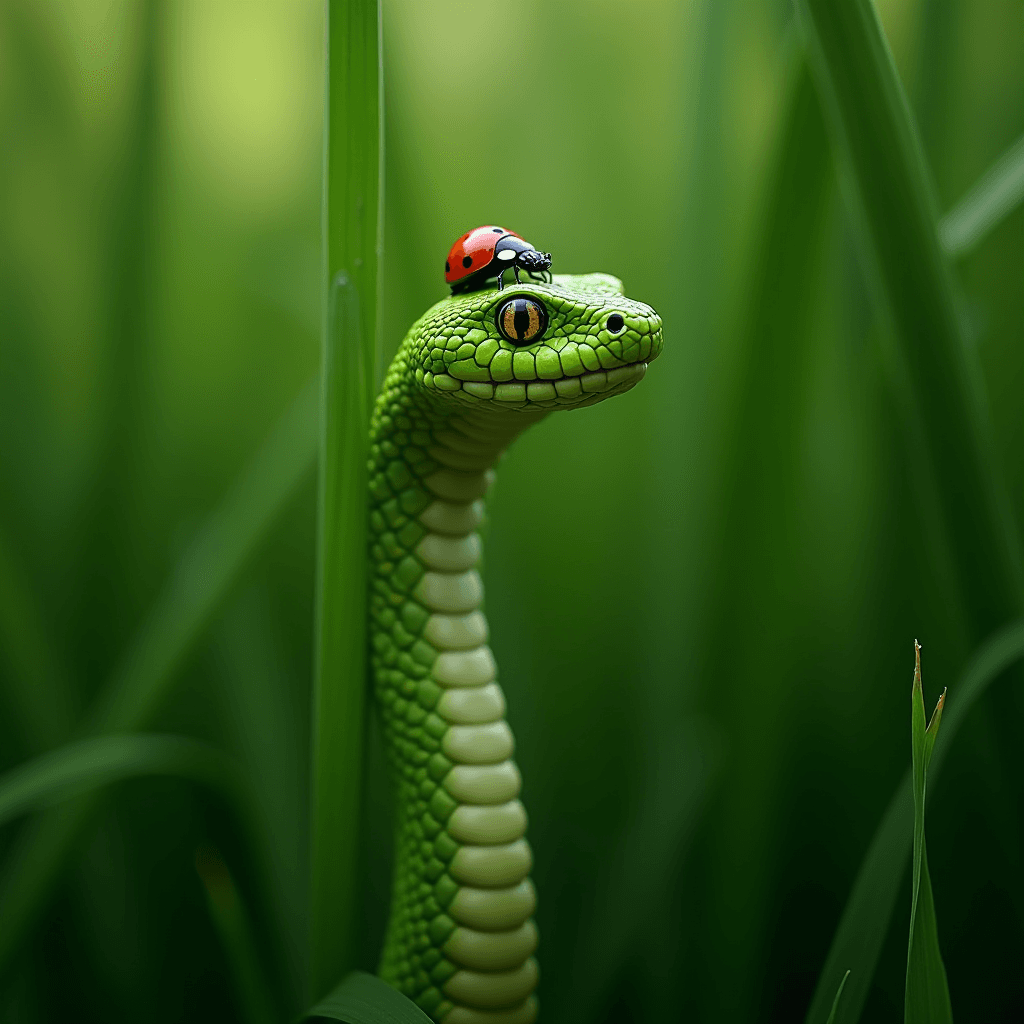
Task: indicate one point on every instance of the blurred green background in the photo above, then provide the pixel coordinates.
(703, 596)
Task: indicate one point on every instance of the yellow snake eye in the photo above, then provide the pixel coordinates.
(522, 320)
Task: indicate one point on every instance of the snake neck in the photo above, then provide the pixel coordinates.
(460, 937)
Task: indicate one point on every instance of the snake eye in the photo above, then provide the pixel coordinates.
(521, 320)
(615, 323)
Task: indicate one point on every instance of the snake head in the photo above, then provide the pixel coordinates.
(533, 346)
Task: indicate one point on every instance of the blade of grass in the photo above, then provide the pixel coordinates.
(232, 923)
(204, 577)
(352, 233)
(858, 940)
(835, 1002)
(364, 999)
(894, 213)
(100, 761)
(993, 198)
(927, 993)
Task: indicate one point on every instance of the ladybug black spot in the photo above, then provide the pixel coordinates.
(467, 261)
(498, 231)
(447, 267)
(615, 323)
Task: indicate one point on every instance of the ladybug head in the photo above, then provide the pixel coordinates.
(534, 261)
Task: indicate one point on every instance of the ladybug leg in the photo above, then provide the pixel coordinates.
(515, 270)
(501, 283)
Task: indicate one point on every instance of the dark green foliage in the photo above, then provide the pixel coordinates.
(699, 594)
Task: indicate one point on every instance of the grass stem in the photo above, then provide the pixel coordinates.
(352, 230)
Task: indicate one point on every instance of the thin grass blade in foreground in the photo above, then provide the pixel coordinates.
(992, 199)
(352, 227)
(858, 940)
(894, 211)
(927, 992)
(835, 1003)
(364, 999)
(205, 575)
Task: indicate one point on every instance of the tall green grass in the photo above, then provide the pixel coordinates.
(353, 227)
(714, 577)
(936, 378)
(209, 568)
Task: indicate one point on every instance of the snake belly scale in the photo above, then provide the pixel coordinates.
(461, 937)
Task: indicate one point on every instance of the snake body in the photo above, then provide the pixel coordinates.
(461, 936)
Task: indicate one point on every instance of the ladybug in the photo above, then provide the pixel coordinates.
(489, 251)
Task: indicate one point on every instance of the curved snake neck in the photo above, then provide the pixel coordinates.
(461, 936)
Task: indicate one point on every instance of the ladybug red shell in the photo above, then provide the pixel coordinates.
(487, 252)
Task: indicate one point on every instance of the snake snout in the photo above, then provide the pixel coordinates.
(637, 329)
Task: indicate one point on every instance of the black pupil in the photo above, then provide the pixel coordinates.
(615, 323)
(522, 318)
(521, 321)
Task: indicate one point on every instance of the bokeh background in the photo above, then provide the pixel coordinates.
(703, 596)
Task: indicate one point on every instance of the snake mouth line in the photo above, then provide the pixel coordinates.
(562, 391)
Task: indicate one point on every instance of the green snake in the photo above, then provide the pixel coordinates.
(473, 372)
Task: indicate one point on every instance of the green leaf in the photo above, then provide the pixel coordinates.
(364, 999)
(935, 371)
(993, 198)
(927, 993)
(865, 920)
(352, 226)
(835, 1002)
(94, 763)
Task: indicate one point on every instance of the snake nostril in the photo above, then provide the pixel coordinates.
(615, 323)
